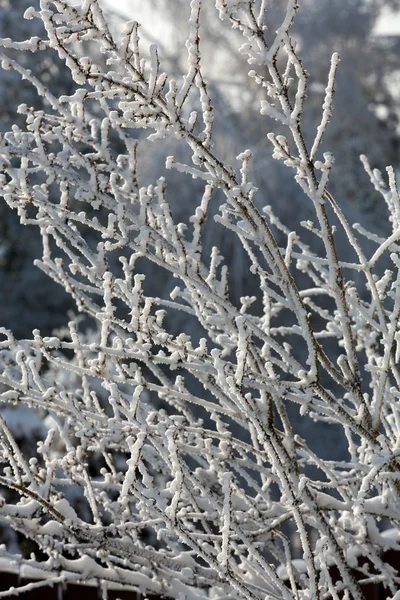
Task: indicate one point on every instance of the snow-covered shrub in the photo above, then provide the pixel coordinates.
(171, 462)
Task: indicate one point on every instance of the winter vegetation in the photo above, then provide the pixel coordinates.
(169, 438)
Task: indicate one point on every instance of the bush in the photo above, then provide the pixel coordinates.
(167, 457)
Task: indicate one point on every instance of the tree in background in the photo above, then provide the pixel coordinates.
(27, 298)
(365, 100)
(170, 460)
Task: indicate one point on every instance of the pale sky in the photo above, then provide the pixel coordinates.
(388, 24)
(142, 11)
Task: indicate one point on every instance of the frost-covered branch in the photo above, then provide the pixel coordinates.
(171, 463)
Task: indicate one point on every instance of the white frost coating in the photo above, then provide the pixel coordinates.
(132, 462)
(327, 105)
(166, 458)
(153, 70)
(65, 508)
(268, 109)
(223, 556)
(298, 563)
